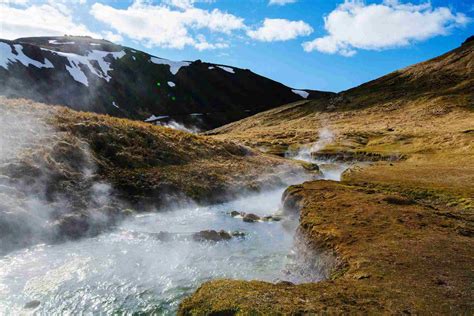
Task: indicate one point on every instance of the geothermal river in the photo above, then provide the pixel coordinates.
(130, 270)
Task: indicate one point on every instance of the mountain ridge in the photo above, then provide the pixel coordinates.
(99, 76)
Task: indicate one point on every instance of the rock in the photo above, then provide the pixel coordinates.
(163, 236)
(32, 304)
(212, 235)
(73, 225)
(235, 213)
(251, 218)
(286, 283)
(310, 166)
(238, 234)
(272, 218)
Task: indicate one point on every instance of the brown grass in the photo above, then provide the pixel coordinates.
(402, 230)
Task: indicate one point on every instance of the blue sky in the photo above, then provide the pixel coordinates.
(314, 44)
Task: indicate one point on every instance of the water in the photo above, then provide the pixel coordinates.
(130, 270)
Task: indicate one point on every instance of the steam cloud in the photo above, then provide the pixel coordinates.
(181, 127)
(47, 186)
(326, 136)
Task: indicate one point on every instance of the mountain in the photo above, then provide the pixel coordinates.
(99, 76)
(408, 101)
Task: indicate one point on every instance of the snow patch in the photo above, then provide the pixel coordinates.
(134, 58)
(228, 69)
(196, 114)
(55, 42)
(171, 84)
(211, 67)
(115, 104)
(301, 93)
(76, 61)
(154, 118)
(7, 57)
(174, 65)
(95, 44)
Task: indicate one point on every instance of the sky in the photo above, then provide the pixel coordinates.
(329, 45)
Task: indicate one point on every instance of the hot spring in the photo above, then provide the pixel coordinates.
(129, 269)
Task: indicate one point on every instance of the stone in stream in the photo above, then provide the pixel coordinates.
(272, 218)
(32, 304)
(212, 235)
(251, 218)
(236, 213)
(205, 235)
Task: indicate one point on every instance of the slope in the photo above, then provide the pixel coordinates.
(99, 76)
(401, 226)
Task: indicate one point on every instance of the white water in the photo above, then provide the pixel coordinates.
(129, 270)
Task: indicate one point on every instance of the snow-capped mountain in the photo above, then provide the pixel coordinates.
(99, 76)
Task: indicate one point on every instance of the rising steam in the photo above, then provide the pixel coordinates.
(47, 185)
(325, 137)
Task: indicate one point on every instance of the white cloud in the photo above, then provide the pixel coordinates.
(17, 2)
(280, 2)
(38, 20)
(354, 25)
(111, 36)
(280, 30)
(167, 26)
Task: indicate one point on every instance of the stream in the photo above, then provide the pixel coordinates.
(130, 270)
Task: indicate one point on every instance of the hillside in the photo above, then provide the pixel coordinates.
(401, 226)
(99, 76)
(66, 174)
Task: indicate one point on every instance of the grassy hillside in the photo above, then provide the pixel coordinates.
(402, 228)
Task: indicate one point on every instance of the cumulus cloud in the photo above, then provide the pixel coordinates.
(111, 36)
(354, 25)
(280, 30)
(280, 2)
(38, 20)
(168, 26)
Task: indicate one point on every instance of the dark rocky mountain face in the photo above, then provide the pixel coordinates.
(99, 76)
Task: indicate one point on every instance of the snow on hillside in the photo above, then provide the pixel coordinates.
(56, 42)
(8, 56)
(174, 65)
(228, 69)
(302, 93)
(98, 57)
(154, 118)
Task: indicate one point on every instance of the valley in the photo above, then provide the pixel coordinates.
(355, 202)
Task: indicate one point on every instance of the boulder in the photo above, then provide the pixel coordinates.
(251, 218)
(212, 235)
(272, 218)
(236, 213)
(32, 304)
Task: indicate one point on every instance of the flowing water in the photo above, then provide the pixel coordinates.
(131, 270)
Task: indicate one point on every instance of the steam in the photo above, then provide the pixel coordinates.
(181, 127)
(47, 186)
(326, 136)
